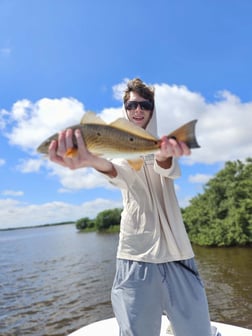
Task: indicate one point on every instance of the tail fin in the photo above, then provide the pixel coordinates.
(186, 133)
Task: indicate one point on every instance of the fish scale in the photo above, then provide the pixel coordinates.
(117, 141)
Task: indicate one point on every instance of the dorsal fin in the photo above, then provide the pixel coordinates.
(126, 125)
(91, 118)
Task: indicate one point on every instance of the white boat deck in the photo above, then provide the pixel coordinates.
(110, 327)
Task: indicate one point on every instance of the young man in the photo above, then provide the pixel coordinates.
(156, 273)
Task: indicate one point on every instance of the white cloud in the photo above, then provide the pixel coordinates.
(119, 89)
(12, 193)
(184, 202)
(223, 128)
(200, 178)
(31, 123)
(29, 166)
(110, 114)
(3, 116)
(5, 51)
(84, 178)
(2, 162)
(177, 187)
(18, 214)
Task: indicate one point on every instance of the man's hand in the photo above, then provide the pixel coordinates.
(170, 148)
(83, 158)
(58, 149)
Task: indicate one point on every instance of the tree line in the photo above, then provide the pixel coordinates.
(220, 216)
(107, 220)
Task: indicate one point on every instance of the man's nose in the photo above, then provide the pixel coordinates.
(139, 109)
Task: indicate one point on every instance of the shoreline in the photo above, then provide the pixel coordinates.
(37, 226)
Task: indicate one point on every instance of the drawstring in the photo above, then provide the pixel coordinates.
(163, 271)
(180, 262)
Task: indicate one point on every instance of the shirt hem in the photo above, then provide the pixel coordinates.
(156, 260)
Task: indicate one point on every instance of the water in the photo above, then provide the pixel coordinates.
(54, 280)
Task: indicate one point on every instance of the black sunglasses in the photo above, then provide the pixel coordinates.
(144, 105)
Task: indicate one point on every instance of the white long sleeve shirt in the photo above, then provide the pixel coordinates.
(152, 229)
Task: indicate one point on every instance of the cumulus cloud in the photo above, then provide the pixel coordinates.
(223, 131)
(223, 128)
(85, 178)
(200, 178)
(118, 89)
(29, 166)
(12, 193)
(18, 214)
(30, 123)
(2, 162)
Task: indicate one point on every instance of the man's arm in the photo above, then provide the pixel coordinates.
(84, 158)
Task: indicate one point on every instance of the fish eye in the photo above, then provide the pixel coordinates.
(131, 139)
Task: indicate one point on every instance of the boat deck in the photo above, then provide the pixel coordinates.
(110, 327)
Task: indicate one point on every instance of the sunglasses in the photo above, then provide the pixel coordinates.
(144, 105)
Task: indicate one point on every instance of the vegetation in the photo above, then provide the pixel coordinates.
(222, 215)
(105, 221)
(85, 224)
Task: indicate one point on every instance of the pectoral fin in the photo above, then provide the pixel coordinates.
(136, 164)
(71, 152)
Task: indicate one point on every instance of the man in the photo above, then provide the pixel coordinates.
(156, 273)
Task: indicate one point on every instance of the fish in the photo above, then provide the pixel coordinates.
(120, 139)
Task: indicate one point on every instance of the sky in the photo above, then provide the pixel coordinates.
(61, 58)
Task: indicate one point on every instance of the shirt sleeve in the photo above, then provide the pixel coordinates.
(125, 174)
(173, 172)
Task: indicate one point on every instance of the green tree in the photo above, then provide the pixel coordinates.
(222, 215)
(84, 223)
(108, 218)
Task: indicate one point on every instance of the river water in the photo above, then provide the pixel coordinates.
(54, 280)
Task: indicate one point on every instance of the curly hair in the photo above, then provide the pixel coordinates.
(138, 86)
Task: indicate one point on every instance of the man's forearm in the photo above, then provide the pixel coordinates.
(104, 166)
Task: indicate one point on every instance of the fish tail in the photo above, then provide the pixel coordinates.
(186, 133)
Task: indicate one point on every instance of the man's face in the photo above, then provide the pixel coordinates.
(139, 115)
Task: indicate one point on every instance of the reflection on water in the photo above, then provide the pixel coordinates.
(227, 273)
(54, 280)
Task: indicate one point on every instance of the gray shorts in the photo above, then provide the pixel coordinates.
(143, 292)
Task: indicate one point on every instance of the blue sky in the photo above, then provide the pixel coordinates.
(60, 58)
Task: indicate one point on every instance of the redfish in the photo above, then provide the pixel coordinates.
(120, 139)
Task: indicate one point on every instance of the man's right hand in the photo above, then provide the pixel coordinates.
(83, 158)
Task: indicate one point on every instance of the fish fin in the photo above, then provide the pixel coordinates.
(126, 125)
(91, 118)
(186, 133)
(71, 152)
(136, 164)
